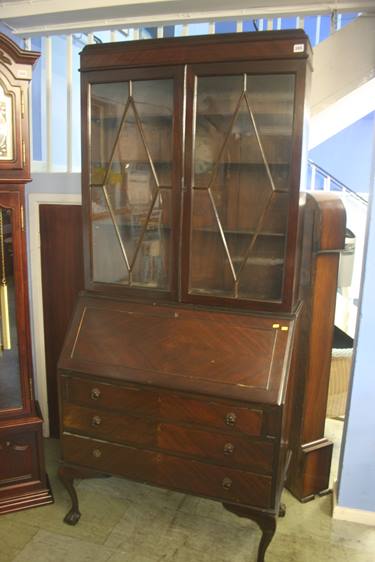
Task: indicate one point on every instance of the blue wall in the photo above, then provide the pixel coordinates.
(357, 477)
(348, 155)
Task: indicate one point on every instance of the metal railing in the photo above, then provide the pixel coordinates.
(351, 260)
(321, 180)
(56, 115)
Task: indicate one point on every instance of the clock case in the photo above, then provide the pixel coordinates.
(23, 480)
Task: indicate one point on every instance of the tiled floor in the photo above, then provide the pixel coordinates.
(124, 521)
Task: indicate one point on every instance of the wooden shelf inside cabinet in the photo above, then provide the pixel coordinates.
(241, 233)
(127, 217)
(276, 148)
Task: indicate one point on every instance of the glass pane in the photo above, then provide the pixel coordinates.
(153, 100)
(107, 257)
(242, 157)
(271, 98)
(146, 236)
(131, 212)
(10, 388)
(216, 104)
(6, 126)
(153, 262)
(210, 270)
(108, 103)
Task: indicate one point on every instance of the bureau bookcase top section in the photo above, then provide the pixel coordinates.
(191, 168)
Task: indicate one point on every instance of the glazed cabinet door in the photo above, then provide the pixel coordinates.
(14, 357)
(133, 174)
(242, 182)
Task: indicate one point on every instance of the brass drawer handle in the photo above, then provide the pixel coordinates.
(231, 418)
(226, 483)
(95, 394)
(97, 453)
(96, 420)
(228, 449)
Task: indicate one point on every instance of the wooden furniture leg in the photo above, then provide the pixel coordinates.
(265, 520)
(67, 474)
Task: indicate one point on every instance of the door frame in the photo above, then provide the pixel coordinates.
(36, 292)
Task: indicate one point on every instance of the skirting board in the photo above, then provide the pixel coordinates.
(351, 514)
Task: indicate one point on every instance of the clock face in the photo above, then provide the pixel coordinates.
(6, 122)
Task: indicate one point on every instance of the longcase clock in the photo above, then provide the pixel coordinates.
(23, 481)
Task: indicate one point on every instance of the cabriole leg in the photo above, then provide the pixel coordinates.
(267, 525)
(265, 520)
(67, 476)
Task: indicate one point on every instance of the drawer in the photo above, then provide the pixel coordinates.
(163, 405)
(18, 459)
(225, 448)
(102, 424)
(108, 396)
(186, 475)
(211, 413)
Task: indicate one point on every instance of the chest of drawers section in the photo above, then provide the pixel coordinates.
(200, 445)
(188, 400)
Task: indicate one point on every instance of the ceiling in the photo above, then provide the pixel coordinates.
(29, 17)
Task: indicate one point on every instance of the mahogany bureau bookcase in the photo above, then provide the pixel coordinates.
(181, 362)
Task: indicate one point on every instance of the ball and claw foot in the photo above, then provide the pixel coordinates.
(282, 510)
(72, 517)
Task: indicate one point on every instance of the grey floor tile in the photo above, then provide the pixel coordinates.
(52, 547)
(293, 548)
(134, 491)
(169, 533)
(14, 535)
(100, 513)
(313, 521)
